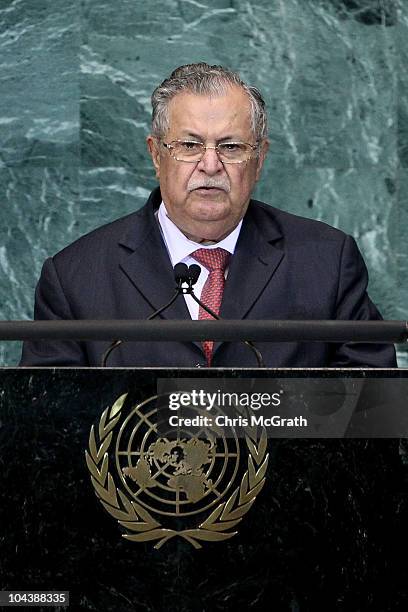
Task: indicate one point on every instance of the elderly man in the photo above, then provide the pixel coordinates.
(208, 145)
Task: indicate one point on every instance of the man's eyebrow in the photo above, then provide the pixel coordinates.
(223, 139)
(193, 135)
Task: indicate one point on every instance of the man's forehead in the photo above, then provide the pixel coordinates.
(231, 110)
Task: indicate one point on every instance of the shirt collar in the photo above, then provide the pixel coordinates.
(180, 247)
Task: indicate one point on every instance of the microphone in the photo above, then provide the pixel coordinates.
(194, 272)
(181, 275)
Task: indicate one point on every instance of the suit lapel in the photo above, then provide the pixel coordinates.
(147, 264)
(253, 265)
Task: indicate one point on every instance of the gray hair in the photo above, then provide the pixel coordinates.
(203, 79)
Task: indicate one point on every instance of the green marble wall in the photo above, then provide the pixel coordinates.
(76, 79)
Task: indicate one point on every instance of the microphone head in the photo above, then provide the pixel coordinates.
(194, 272)
(181, 273)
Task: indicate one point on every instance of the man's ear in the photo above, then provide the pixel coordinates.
(153, 147)
(263, 150)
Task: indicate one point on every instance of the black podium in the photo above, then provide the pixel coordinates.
(322, 525)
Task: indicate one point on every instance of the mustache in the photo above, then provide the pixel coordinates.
(217, 183)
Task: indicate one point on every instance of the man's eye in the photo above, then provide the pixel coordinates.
(190, 146)
(230, 147)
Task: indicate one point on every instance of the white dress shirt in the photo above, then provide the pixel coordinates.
(180, 248)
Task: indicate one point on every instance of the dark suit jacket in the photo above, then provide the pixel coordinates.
(284, 267)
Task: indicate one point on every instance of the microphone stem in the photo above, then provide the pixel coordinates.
(108, 351)
(200, 303)
(117, 343)
(173, 299)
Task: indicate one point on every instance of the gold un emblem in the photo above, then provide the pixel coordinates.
(159, 482)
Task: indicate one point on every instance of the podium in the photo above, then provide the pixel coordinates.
(325, 530)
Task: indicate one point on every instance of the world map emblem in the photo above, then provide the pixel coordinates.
(161, 482)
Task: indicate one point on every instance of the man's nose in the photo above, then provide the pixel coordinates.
(210, 162)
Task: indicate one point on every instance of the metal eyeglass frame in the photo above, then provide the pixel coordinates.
(169, 146)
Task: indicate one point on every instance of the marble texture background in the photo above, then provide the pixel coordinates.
(76, 79)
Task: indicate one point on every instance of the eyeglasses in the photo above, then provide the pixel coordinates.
(228, 152)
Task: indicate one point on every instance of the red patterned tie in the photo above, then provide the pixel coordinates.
(215, 260)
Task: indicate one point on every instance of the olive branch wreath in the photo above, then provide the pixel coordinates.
(138, 520)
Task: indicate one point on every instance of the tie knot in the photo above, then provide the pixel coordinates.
(212, 259)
